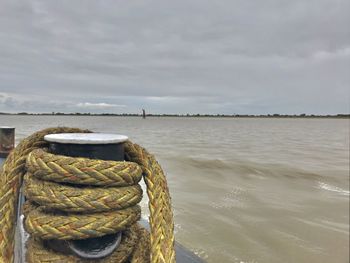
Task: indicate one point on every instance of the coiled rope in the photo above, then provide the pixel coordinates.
(56, 209)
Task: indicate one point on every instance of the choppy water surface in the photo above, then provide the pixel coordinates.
(243, 190)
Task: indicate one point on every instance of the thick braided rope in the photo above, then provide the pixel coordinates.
(82, 171)
(161, 216)
(10, 181)
(129, 240)
(40, 223)
(72, 199)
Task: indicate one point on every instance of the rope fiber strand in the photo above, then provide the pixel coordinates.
(77, 198)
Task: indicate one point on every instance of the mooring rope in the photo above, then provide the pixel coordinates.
(106, 204)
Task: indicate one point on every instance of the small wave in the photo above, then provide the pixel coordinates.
(333, 188)
(200, 253)
(204, 163)
(246, 168)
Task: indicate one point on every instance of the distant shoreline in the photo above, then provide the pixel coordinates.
(335, 116)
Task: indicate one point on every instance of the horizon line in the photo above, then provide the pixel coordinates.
(338, 115)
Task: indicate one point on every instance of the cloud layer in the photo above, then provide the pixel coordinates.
(197, 56)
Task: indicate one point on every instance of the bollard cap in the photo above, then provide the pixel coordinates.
(86, 138)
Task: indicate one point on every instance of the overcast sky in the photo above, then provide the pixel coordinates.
(196, 56)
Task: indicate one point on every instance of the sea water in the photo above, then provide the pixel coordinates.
(243, 190)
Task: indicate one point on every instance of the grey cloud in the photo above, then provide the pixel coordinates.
(194, 56)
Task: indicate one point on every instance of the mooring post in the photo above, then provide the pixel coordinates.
(7, 140)
(93, 146)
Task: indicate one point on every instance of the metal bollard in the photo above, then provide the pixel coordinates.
(94, 146)
(7, 140)
(98, 146)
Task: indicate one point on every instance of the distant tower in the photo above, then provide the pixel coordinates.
(143, 114)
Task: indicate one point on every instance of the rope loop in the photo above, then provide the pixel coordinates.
(77, 198)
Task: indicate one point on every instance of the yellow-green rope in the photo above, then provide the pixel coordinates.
(106, 204)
